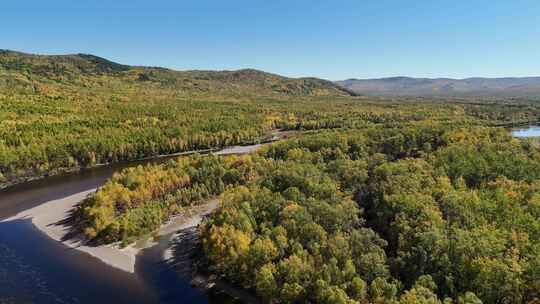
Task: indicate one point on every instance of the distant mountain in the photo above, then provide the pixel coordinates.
(26, 70)
(444, 86)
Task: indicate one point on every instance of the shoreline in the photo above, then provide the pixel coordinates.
(51, 219)
(48, 218)
(276, 136)
(178, 232)
(180, 249)
(73, 170)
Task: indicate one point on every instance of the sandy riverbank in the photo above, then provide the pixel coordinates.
(188, 219)
(48, 216)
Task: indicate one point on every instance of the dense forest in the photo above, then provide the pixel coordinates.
(62, 113)
(375, 200)
(425, 213)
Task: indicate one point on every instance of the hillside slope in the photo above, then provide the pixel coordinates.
(25, 71)
(444, 86)
(62, 113)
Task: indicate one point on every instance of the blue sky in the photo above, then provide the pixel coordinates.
(328, 39)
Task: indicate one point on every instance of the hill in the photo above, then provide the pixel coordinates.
(24, 70)
(408, 86)
(64, 112)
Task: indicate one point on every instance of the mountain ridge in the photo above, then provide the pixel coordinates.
(86, 69)
(411, 86)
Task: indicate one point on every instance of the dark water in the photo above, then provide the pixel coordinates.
(37, 269)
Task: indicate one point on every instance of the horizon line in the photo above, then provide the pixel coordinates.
(179, 69)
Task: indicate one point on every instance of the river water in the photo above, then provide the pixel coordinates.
(37, 269)
(529, 131)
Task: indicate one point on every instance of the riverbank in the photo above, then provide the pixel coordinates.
(64, 171)
(276, 135)
(50, 219)
(182, 252)
(48, 204)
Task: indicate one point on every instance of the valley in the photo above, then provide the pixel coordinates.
(280, 189)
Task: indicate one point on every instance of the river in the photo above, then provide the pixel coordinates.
(37, 269)
(529, 131)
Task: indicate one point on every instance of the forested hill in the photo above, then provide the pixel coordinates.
(31, 72)
(55, 111)
(520, 86)
(63, 113)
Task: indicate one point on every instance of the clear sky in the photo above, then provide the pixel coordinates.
(328, 39)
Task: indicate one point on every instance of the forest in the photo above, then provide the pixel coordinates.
(63, 113)
(374, 200)
(427, 213)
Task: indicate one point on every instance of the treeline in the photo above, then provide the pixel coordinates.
(44, 136)
(385, 200)
(453, 222)
(138, 200)
(61, 113)
(190, 179)
(430, 213)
